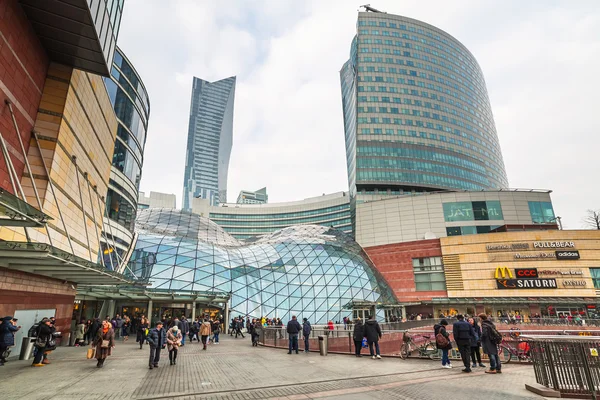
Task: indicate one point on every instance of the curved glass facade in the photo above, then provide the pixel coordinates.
(416, 111)
(308, 270)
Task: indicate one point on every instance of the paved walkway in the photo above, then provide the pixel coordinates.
(236, 370)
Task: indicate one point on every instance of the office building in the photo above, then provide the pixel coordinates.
(156, 200)
(129, 98)
(417, 116)
(259, 196)
(210, 138)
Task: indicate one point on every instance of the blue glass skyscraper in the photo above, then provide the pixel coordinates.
(210, 137)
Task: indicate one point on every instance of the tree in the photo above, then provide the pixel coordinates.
(592, 219)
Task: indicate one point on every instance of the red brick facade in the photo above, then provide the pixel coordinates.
(23, 291)
(394, 262)
(23, 66)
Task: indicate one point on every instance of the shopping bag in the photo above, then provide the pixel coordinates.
(364, 343)
(91, 353)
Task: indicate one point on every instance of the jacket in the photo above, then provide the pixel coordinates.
(463, 332)
(103, 352)
(185, 326)
(94, 328)
(476, 340)
(156, 338)
(293, 327)
(372, 331)
(7, 333)
(45, 332)
(216, 327)
(441, 328)
(205, 329)
(306, 328)
(486, 342)
(359, 331)
(173, 339)
(80, 331)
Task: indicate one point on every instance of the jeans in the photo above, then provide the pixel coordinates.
(445, 358)
(306, 343)
(376, 348)
(357, 347)
(182, 339)
(495, 362)
(465, 352)
(154, 355)
(293, 342)
(475, 355)
(216, 337)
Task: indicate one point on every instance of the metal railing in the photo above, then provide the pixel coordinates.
(569, 365)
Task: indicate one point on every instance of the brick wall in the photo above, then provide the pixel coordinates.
(394, 262)
(23, 65)
(23, 291)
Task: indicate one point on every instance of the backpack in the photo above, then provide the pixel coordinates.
(495, 336)
(441, 340)
(33, 331)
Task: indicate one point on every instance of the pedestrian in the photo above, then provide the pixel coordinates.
(79, 333)
(174, 337)
(253, 331)
(104, 342)
(94, 329)
(185, 329)
(239, 324)
(490, 339)
(358, 334)
(279, 325)
(476, 344)
(463, 333)
(118, 326)
(86, 336)
(443, 343)
(8, 327)
(306, 329)
(156, 339)
(216, 330)
(373, 334)
(293, 329)
(195, 330)
(142, 331)
(125, 328)
(330, 328)
(205, 333)
(44, 343)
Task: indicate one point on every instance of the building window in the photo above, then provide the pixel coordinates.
(541, 212)
(595, 272)
(429, 274)
(473, 211)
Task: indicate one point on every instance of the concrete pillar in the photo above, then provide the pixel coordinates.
(194, 310)
(150, 313)
(226, 322)
(403, 312)
(111, 309)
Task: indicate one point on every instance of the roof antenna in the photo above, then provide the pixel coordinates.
(368, 8)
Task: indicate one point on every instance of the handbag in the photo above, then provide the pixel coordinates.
(40, 342)
(91, 353)
(105, 344)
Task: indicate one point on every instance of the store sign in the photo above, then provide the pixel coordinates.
(567, 255)
(526, 273)
(526, 283)
(512, 246)
(521, 256)
(574, 283)
(553, 245)
(560, 272)
(503, 272)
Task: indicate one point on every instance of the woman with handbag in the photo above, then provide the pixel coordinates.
(174, 337)
(142, 331)
(44, 343)
(104, 342)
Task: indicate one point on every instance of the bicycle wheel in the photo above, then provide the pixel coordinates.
(405, 351)
(433, 352)
(505, 355)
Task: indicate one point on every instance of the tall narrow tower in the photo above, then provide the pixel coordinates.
(210, 137)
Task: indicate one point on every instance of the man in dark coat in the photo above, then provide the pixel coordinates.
(44, 336)
(441, 328)
(185, 329)
(8, 327)
(373, 334)
(306, 329)
(157, 339)
(94, 328)
(293, 328)
(358, 335)
(489, 346)
(463, 334)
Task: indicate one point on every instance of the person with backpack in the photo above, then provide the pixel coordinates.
(463, 333)
(442, 341)
(44, 342)
(357, 335)
(306, 329)
(490, 339)
(476, 344)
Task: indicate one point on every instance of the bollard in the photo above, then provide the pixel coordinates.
(26, 348)
(323, 345)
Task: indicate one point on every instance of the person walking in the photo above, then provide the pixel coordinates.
(373, 334)
(8, 328)
(118, 326)
(293, 328)
(489, 342)
(80, 333)
(185, 329)
(358, 334)
(463, 333)
(306, 329)
(44, 342)
(156, 339)
(93, 330)
(330, 328)
(443, 344)
(216, 330)
(174, 336)
(238, 325)
(142, 331)
(476, 344)
(205, 333)
(125, 328)
(104, 342)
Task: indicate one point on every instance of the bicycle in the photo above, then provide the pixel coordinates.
(427, 349)
(508, 351)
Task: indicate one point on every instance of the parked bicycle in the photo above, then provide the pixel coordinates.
(507, 351)
(426, 349)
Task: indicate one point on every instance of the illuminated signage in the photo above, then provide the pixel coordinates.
(567, 255)
(526, 273)
(504, 272)
(526, 283)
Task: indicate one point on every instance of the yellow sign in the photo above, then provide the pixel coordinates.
(594, 352)
(504, 271)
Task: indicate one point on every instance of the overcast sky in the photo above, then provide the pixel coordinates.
(540, 59)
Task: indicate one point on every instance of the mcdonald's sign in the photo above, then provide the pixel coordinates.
(503, 272)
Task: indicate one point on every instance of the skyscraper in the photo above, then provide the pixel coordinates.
(210, 137)
(417, 116)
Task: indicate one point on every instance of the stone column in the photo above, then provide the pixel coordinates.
(226, 322)
(150, 313)
(193, 310)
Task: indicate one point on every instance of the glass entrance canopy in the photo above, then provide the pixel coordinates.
(307, 270)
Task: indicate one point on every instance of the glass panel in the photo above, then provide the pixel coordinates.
(460, 211)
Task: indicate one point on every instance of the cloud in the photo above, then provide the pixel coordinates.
(539, 60)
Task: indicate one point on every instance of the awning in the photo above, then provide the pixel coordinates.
(16, 212)
(43, 259)
(85, 292)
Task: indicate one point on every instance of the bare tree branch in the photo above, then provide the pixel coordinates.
(592, 219)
